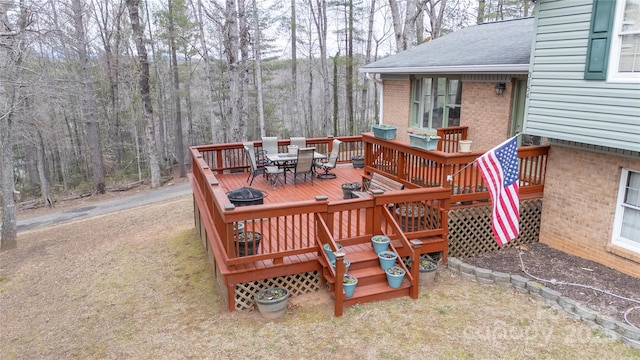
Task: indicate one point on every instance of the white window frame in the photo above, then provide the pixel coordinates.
(616, 239)
(614, 52)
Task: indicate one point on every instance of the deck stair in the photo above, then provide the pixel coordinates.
(372, 281)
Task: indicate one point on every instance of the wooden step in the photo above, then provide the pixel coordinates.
(372, 281)
(376, 292)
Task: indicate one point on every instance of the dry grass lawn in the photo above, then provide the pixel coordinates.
(136, 284)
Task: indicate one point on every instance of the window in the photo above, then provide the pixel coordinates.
(626, 228)
(624, 62)
(435, 102)
(613, 50)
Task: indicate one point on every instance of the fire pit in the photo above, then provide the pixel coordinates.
(246, 196)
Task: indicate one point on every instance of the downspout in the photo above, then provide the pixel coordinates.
(379, 82)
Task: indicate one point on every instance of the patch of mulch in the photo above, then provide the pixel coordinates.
(544, 262)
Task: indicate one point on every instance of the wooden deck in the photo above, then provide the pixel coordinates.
(297, 219)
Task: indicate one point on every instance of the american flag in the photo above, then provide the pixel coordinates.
(499, 168)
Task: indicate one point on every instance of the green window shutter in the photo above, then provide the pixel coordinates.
(599, 39)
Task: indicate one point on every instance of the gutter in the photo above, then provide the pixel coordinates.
(466, 69)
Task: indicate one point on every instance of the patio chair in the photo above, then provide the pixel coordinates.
(330, 163)
(300, 142)
(303, 165)
(255, 169)
(270, 144)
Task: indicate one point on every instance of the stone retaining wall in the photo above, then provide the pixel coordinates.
(611, 327)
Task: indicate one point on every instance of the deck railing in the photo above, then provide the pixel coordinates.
(415, 167)
(230, 157)
(450, 136)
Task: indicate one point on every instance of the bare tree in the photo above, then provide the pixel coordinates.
(88, 99)
(145, 91)
(257, 48)
(12, 51)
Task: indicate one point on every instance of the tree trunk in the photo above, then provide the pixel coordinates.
(349, 76)
(231, 50)
(176, 93)
(44, 183)
(480, 17)
(320, 19)
(294, 63)
(88, 101)
(13, 38)
(367, 59)
(213, 123)
(145, 92)
(244, 70)
(258, 61)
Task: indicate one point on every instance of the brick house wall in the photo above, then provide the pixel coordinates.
(397, 106)
(578, 210)
(487, 115)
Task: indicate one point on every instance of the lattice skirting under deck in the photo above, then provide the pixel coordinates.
(296, 284)
(470, 231)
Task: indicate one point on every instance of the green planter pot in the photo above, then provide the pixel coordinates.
(380, 243)
(425, 142)
(387, 132)
(349, 285)
(395, 274)
(347, 263)
(327, 249)
(387, 259)
(272, 302)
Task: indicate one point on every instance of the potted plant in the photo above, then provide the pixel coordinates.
(395, 274)
(423, 139)
(387, 259)
(347, 263)
(272, 302)
(357, 161)
(380, 243)
(411, 215)
(428, 269)
(384, 131)
(349, 283)
(347, 188)
(327, 249)
(247, 242)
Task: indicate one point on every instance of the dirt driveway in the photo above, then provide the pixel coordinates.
(135, 284)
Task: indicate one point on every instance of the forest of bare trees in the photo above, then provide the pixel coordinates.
(101, 92)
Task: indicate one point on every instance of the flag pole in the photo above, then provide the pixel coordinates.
(450, 177)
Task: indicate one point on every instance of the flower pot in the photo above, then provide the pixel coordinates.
(383, 131)
(395, 274)
(272, 302)
(464, 146)
(347, 188)
(293, 149)
(411, 215)
(428, 269)
(247, 242)
(387, 259)
(349, 285)
(327, 249)
(347, 263)
(425, 142)
(380, 243)
(357, 161)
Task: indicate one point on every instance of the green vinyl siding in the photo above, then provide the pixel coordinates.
(561, 104)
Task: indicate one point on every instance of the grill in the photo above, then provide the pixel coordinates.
(246, 196)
